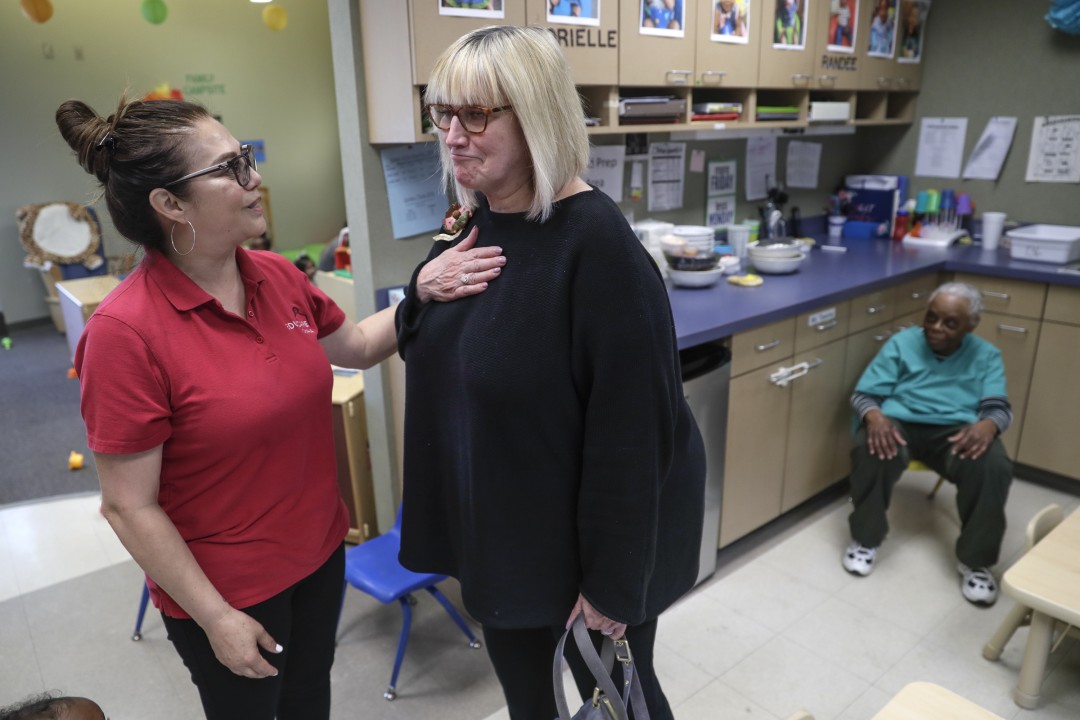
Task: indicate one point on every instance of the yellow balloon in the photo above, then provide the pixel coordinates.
(275, 17)
(37, 10)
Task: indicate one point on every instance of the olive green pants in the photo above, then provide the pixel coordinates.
(982, 487)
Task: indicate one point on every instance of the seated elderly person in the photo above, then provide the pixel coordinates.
(935, 393)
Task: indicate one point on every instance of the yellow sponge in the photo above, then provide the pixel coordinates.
(745, 280)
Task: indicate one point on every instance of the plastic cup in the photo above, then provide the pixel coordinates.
(836, 227)
(739, 239)
(992, 225)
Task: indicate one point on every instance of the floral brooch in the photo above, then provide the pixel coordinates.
(455, 219)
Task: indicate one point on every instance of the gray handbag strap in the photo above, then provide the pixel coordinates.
(600, 666)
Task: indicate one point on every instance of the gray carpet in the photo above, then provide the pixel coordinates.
(40, 422)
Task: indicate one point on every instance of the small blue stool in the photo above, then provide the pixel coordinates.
(372, 567)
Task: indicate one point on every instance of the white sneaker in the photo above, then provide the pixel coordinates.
(859, 560)
(978, 585)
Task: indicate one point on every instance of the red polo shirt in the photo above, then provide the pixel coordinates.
(242, 407)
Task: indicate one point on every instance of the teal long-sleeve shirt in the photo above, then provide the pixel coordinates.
(912, 384)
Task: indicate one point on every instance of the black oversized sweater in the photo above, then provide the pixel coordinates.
(548, 445)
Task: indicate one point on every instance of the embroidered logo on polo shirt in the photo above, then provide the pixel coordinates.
(299, 322)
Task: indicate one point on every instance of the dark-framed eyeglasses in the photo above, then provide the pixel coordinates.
(240, 166)
(472, 117)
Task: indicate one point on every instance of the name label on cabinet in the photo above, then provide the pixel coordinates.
(586, 37)
(843, 63)
(821, 317)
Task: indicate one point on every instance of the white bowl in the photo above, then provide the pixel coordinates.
(777, 265)
(776, 249)
(696, 236)
(695, 278)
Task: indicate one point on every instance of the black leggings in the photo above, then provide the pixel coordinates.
(303, 619)
(522, 659)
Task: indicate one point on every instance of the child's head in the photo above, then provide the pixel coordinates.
(726, 5)
(47, 707)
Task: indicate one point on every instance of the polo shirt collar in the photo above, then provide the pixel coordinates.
(182, 292)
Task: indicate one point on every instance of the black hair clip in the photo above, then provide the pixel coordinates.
(106, 141)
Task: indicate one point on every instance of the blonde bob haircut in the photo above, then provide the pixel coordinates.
(522, 67)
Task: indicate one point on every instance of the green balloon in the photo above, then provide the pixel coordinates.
(154, 11)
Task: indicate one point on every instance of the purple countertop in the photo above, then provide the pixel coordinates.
(705, 314)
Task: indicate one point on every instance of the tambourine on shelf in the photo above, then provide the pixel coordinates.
(60, 232)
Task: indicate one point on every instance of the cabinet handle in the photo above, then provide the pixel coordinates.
(797, 78)
(1012, 328)
(885, 82)
(767, 346)
(678, 77)
(902, 81)
(785, 375)
(882, 338)
(826, 326)
(916, 295)
(827, 79)
(996, 295)
(875, 309)
(718, 74)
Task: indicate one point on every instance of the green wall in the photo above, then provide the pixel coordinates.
(272, 86)
(985, 59)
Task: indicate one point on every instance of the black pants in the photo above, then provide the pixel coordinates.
(522, 659)
(982, 487)
(303, 619)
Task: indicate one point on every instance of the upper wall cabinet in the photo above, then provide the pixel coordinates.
(657, 44)
(787, 43)
(726, 44)
(434, 28)
(892, 35)
(591, 43)
(839, 43)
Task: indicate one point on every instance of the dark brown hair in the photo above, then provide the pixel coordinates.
(136, 149)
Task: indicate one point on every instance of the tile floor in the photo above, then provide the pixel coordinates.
(779, 627)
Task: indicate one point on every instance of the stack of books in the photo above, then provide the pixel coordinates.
(777, 112)
(716, 111)
(651, 109)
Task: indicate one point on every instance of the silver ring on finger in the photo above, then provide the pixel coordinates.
(466, 278)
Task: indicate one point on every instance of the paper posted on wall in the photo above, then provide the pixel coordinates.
(1055, 150)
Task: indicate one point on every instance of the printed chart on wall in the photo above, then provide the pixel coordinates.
(667, 170)
(413, 184)
(1055, 150)
(605, 170)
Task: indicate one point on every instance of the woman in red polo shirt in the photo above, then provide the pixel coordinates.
(206, 387)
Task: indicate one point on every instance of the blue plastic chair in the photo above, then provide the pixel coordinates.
(372, 567)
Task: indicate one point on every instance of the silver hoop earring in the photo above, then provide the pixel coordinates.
(173, 242)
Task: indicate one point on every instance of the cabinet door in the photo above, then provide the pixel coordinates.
(726, 57)
(861, 349)
(754, 457)
(1063, 304)
(656, 56)
(591, 44)
(819, 418)
(433, 31)
(1012, 297)
(913, 295)
(1017, 339)
(354, 467)
(784, 63)
(872, 309)
(883, 39)
(839, 43)
(762, 346)
(821, 325)
(1048, 440)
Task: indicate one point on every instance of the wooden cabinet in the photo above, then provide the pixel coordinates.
(721, 64)
(78, 299)
(837, 53)
(819, 414)
(656, 60)
(431, 32)
(785, 64)
(758, 414)
(885, 73)
(872, 309)
(591, 50)
(1012, 310)
(353, 460)
(1017, 338)
(784, 412)
(1048, 440)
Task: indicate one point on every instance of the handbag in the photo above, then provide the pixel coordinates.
(606, 702)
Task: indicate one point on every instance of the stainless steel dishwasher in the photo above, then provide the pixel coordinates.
(706, 375)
